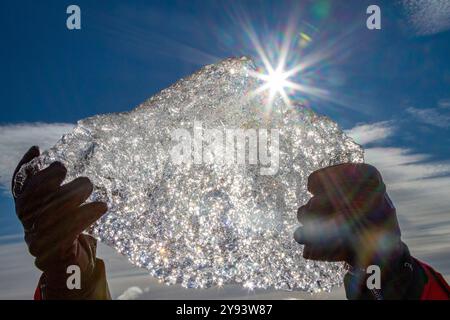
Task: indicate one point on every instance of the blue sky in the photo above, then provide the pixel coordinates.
(389, 87)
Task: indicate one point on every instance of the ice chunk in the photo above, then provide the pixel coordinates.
(201, 222)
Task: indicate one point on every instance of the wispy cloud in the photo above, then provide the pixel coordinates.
(15, 139)
(444, 103)
(438, 117)
(428, 17)
(132, 293)
(373, 133)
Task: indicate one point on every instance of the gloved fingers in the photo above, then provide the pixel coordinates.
(42, 242)
(344, 179)
(45, 181)
(353, 206)
(317, 204)
(32, 153)
(319, 229)
(320, 203)
(74, 193)
(299, 236)
(84, 217)
(36, 193)
(318, 214)
(66, 230)
(307, 215)
(46, 235)
(62, 203)
(319, 181)
(51, 244)
(318, 245)
(301, 213)
(332, 252)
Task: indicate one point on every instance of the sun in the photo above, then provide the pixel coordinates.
(289, 69)
(276, 78)
(276, 81)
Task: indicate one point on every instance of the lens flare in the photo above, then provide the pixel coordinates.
(276, 82)
(301, 61)
(292, 74)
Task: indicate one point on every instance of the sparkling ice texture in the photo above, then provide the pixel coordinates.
(208, 224)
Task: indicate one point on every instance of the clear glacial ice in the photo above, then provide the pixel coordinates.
(203, 224)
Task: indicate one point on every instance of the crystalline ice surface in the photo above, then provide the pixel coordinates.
(204, 223)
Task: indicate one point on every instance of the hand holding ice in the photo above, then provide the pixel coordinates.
(185, 207)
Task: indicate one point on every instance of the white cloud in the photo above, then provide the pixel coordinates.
(15, 139)
(371, 133)
(420, 191)
(131, 293)
(428, 17)
(18, 275)
(444, 103)
(19, 278)
(431, 116)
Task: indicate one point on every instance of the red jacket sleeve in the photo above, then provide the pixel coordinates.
(436, 288)
(405, 278)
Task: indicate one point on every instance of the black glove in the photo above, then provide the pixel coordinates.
(54, 217)
(351, 218)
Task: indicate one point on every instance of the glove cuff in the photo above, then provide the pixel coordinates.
(94, 287)
(83, 260)
(398, 273)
